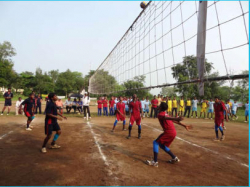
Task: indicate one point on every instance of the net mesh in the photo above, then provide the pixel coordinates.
(163, 34)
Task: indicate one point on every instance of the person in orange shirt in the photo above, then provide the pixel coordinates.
(59, 104)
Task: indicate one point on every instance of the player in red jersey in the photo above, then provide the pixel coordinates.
(99, 102)
(167, 137)
(111, 106)
(135, 115)
(120, 114)
(219, 108)
(105, 106)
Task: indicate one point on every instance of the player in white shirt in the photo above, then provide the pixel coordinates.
(210, 109)
(146, 107)
(18, 103)
(246, 111)
(234, 110)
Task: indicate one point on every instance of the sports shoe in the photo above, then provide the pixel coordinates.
(31, 126)
(152, 163)
(196, 117)
(112, 130)
(191, 116)
(216, 139)
(1, 114)
(124, 129)
(139, 137)
(236, 117)
(224, 128)
(245, 121)
(128, 137)
(174, 160)
(55, 146)
(222, 138)
(211, 118)
(43, 150)
(28, 129)
(7, 114)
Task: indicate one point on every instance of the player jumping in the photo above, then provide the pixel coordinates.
(167, 137)
(135, 115)
(120, 114)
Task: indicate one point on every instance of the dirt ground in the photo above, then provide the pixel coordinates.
(91, 154)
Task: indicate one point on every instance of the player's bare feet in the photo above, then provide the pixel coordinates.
(174, 160)
(112, 130)
(152, 163)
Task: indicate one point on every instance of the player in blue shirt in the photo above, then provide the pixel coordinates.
(246, 110)
(210, 109)
(234, 110)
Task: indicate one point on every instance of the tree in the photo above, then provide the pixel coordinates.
(133, 87)
(6, 51)
(6, 70)
(53, 74)
(182, 72)
(168, 91)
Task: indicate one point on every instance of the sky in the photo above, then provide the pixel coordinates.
(79, 35)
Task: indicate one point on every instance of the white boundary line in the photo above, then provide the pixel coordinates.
(104, 158)
(204, 148)
(1, 137)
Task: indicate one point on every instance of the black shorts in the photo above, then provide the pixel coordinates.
(49, 128)
(7, 103)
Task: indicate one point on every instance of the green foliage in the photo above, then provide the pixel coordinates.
(182, 72)
(135, 85)
(6, 51)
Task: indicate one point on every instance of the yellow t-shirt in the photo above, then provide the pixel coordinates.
(164, 101)
(188, 102)
(204, 105)
(169, 103)
(182, 103)
(174, 104)
(230, 104)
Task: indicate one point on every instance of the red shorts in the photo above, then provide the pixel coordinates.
(120, 117)
(218, 121)
(136, 119)
(166, 138)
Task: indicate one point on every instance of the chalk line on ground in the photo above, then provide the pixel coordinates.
(204, 148)
(104, 158)
(1, 137)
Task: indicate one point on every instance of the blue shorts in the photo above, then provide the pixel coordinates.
(210, 110)
(49, 128)
(194, 109)
(233, 112)
(146, 110)
(246, 113)
(225, 113)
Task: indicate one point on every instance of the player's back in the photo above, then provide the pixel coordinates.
(167, 125)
